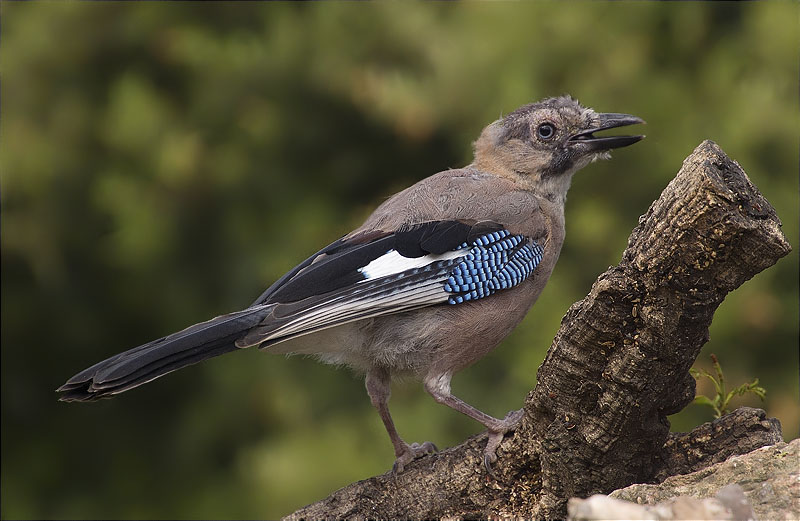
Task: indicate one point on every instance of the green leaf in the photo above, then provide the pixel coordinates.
(702, 399)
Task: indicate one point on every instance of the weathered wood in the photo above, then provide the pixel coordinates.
(597, 418)
(742, 431)
(620, 362)
(764, 480)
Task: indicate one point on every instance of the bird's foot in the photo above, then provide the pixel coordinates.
(412, 452)
(496, 433)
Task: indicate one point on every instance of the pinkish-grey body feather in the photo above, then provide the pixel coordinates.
(519, 179)
(444, 339)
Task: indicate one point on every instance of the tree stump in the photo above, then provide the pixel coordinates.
(619, 365)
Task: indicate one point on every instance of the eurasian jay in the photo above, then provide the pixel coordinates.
(433, 280)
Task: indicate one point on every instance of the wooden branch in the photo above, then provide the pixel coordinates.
(597, 418)
(742, 431)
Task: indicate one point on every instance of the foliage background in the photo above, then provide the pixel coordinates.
(163, 162)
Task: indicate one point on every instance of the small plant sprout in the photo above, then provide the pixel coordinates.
(721, 402)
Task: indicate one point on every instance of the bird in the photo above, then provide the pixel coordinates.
(434, 279)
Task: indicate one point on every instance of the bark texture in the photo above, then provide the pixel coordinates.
(597, 419)
(740, 432)
(730, 504)
(768, 478)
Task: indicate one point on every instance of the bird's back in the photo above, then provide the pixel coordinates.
(422, 341)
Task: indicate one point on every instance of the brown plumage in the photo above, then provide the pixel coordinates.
(379, 301)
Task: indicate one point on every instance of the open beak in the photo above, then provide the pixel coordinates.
(605, 121)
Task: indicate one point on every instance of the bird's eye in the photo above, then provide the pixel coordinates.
(546, 130)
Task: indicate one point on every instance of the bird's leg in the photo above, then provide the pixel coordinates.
(438, 386)
(379, 388)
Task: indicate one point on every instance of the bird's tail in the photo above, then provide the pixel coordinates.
(154, 359)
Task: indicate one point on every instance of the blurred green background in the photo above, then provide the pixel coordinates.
(162, 163)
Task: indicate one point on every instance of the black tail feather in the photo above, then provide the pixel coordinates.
(147, 362)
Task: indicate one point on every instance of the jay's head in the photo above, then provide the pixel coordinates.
(543, 144)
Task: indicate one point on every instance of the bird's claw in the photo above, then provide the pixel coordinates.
(509, 423)
(412, 452)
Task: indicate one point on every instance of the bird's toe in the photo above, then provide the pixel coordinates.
(412, 452)
(496, 434)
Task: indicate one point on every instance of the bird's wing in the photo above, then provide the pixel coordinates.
(378, 273)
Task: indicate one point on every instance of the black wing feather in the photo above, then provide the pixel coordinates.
(336, 266)
(326, 289)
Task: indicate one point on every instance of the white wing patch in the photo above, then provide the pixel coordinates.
(392, 262)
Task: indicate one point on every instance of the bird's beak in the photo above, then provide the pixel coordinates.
(606, 121)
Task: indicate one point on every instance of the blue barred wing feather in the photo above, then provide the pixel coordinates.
(379, 273)
(496, 261)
